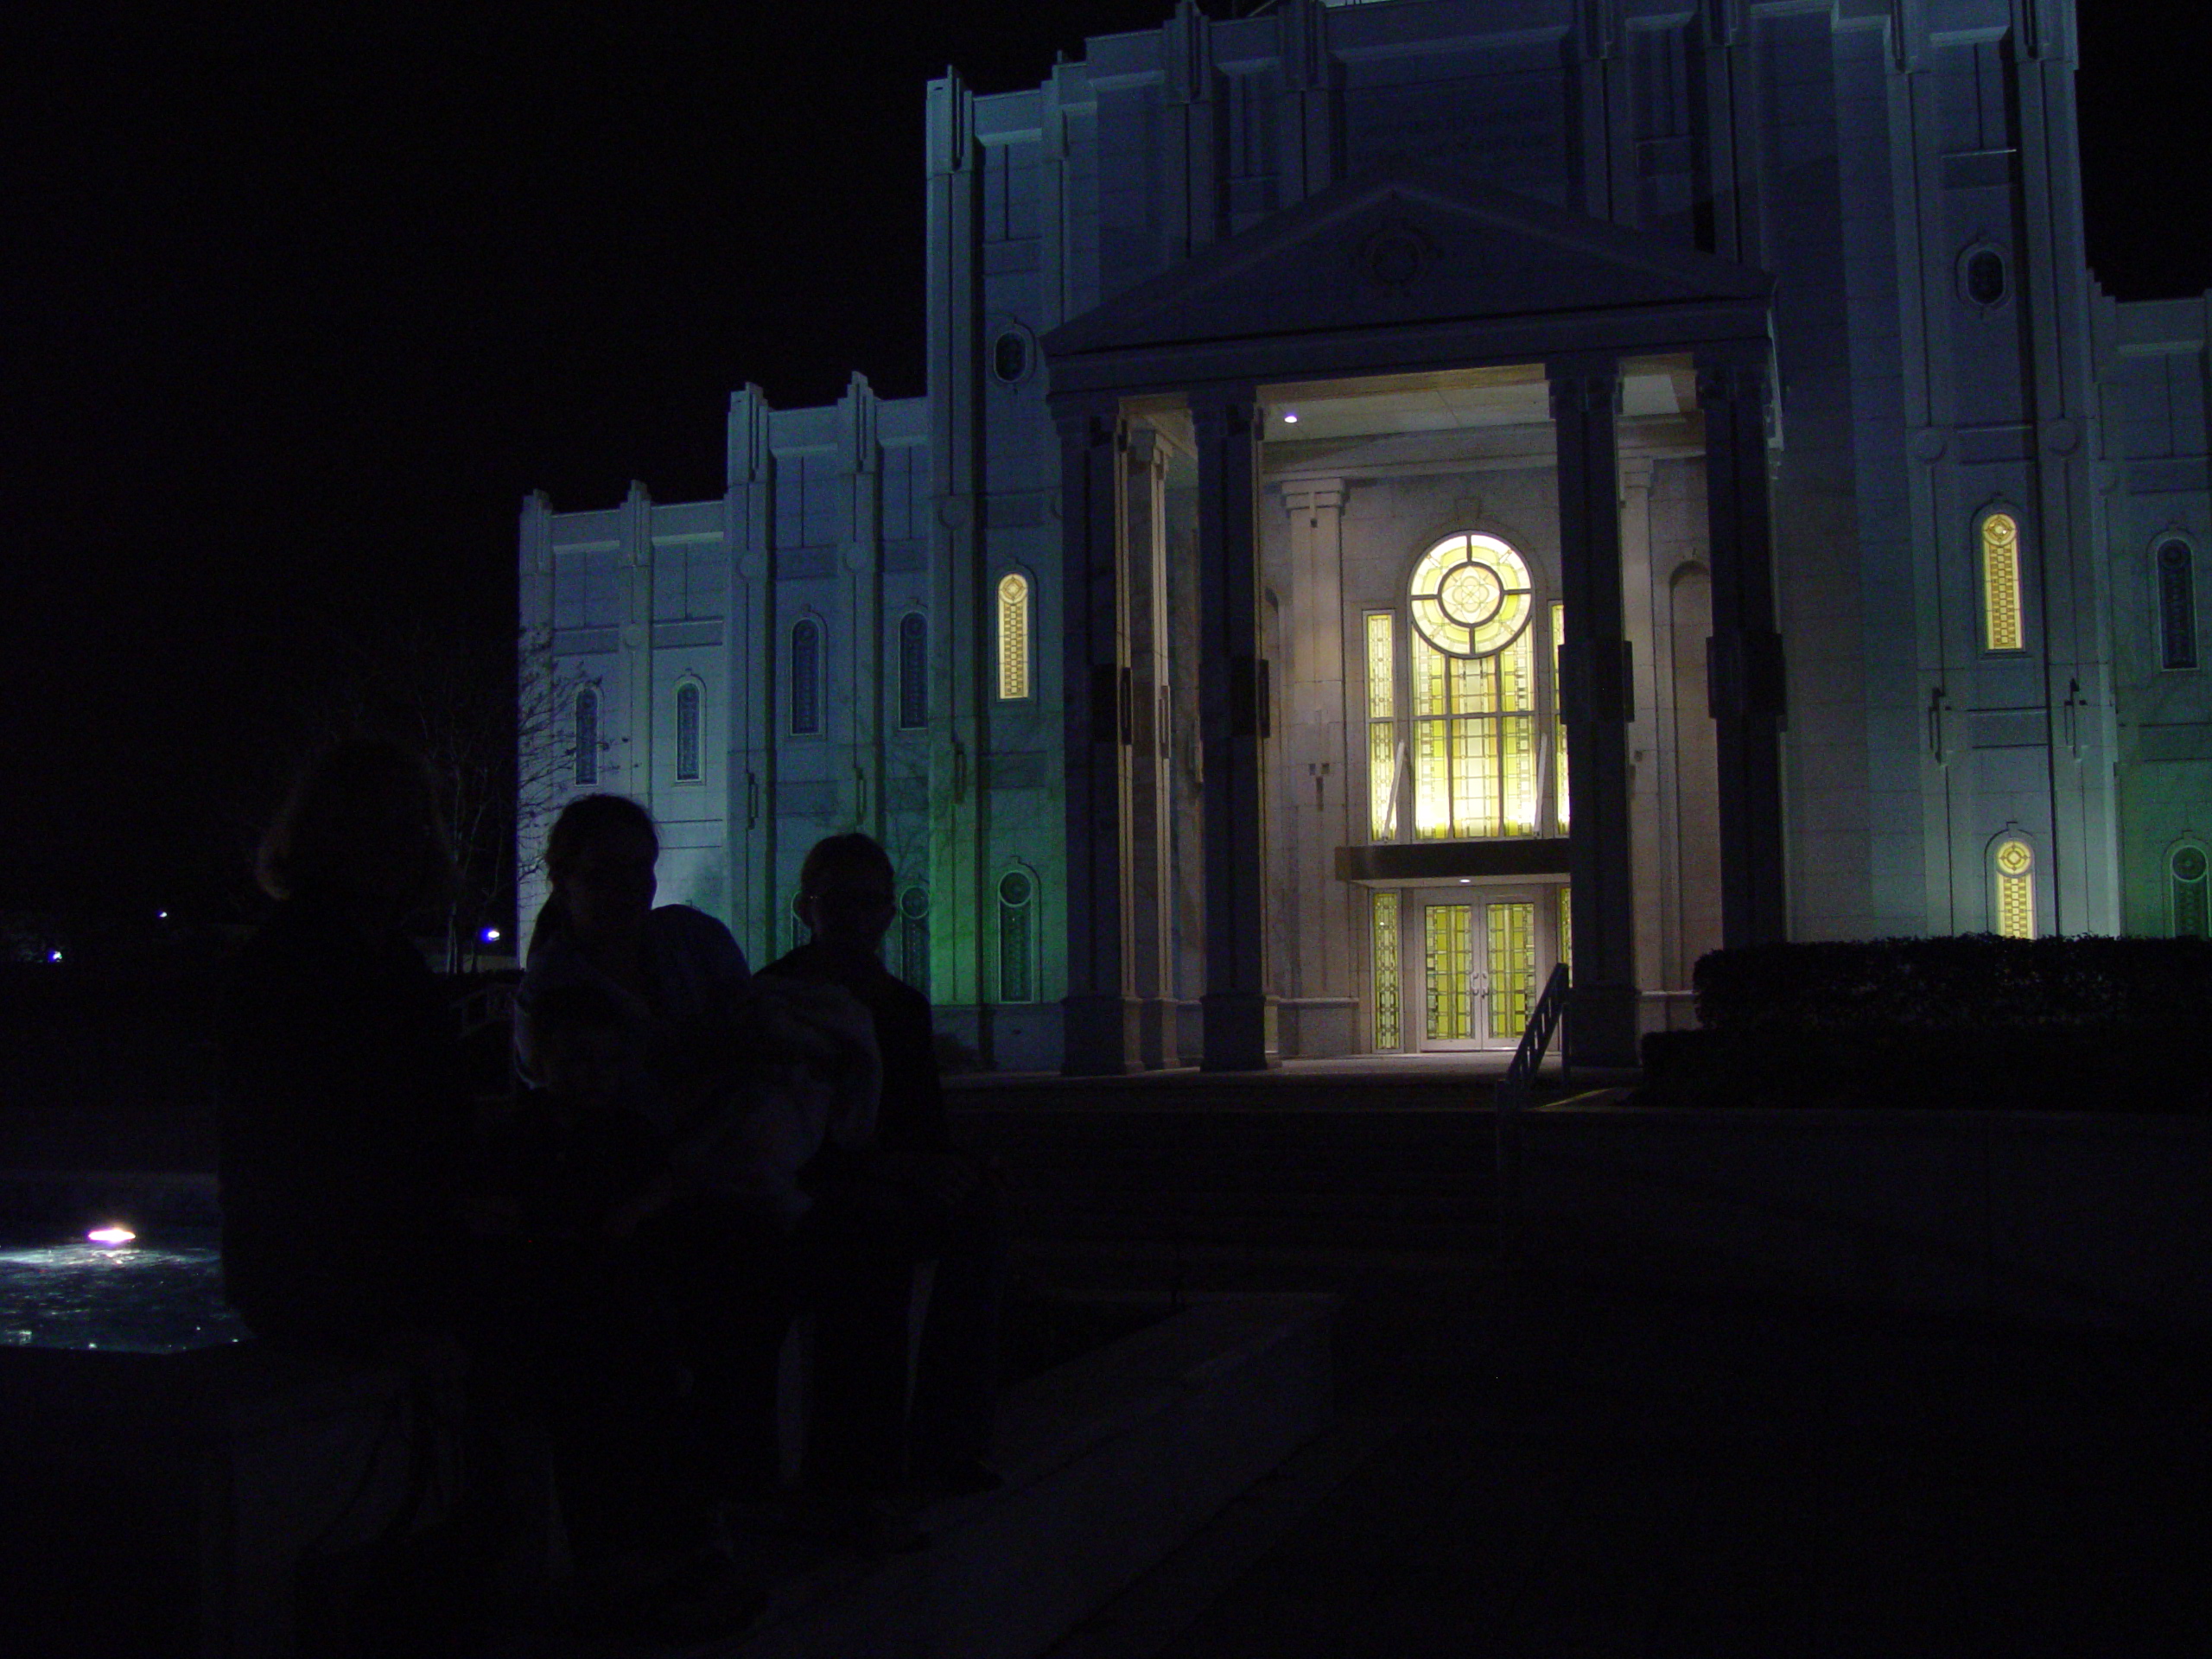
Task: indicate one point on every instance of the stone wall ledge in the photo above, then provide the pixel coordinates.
(2071, 1219)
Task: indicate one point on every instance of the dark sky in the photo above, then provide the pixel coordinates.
(297, 304)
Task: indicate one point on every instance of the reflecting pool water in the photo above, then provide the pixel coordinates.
(158, 1298)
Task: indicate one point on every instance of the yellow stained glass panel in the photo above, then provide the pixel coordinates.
(1451, 997)
(1431, 780)
(2001, 583)
(1512, 967)
(1383, 778)
(1014, 638)
(1381, 667)
(2016, 896)
(1386, 971)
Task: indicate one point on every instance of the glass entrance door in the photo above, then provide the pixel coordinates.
(1478, 959)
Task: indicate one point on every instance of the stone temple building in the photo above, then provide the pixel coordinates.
(1411, 493)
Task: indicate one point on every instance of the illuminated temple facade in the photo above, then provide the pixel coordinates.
(1411, 493)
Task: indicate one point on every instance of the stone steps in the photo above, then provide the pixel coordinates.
(1379, 1174)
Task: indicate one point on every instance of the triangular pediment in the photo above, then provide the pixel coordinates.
(1403, 243)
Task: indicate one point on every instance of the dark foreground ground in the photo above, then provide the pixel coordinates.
(1559, 1471)
(1546, 1470)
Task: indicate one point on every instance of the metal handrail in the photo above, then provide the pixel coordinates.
(1517, 1091)
(1543, 1020)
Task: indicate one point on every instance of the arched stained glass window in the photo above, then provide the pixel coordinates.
(2013, 863)
(1017, 938)
(1469, 595)
(586, 721)
(914, 938)
(1014, 637)
(1473, 695)
(1455, 744)
(2001, 627)
(2186, 869)
(687, 734)
(2177, 606)
(913, 671)
(806, 677)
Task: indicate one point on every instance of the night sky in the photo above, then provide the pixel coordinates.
(297, 304)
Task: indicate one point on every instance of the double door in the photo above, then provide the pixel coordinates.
(1482, 955)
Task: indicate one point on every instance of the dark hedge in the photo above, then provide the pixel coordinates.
(1966, 982)
(2058, 1024)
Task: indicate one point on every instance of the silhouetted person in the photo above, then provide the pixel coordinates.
(343, 1115)
(744, 1084)
(908, 1196)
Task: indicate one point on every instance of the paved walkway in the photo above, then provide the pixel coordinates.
(1598, 1474)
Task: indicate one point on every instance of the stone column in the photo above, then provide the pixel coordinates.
(1100, 1009)
(1233, 718)
(1144, 521)
(1595, 696)
(1647, 879)
(1744, 665)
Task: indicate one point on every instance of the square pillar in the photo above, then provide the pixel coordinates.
(1595, 699)
(1100, 1012)
(1233, 717)
(1315, 966)
(1144, 522)
(1745, 661)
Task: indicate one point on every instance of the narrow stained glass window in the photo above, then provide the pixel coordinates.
(1382, 726)
(1014, 637)
(1016, 936)
(2001, 628)
(914, 938)
(2185, 874)
(806, 677)
(2015, 897)
(1387, 1037)
(687, 735)
(2177, 606)
(1566, 928)
(913, 672)
(587, 723)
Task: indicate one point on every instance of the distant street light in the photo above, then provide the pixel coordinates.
(53, 955)
(491, 936)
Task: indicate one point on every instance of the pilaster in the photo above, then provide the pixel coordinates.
(747, 514)
(960, 901)
(634, 657)
(1144, 521)
(1315, 965)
